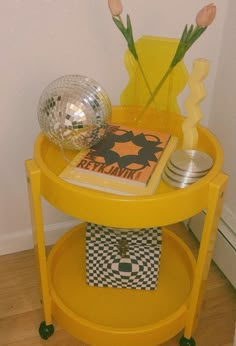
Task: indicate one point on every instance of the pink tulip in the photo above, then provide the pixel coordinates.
(206, 15)
(115, 7)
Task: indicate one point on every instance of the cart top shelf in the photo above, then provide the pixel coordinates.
(166, 206)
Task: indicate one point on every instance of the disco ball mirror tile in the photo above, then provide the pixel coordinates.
(74, 111)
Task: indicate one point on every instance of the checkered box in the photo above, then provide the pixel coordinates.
(123, 258)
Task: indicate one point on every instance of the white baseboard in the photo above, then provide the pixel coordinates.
(224, 254)
(20, 241)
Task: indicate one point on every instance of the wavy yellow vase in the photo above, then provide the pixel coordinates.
(155, 55)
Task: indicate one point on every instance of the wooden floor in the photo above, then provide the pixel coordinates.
(21, 311)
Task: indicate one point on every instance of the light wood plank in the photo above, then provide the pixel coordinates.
(19, 286)
(22, 330)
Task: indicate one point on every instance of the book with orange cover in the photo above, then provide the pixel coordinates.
(127, 161)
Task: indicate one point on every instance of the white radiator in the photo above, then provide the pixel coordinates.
(225, 248)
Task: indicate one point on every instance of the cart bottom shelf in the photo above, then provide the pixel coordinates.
(119, 317)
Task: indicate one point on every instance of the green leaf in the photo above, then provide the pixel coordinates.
(130, 39)
(199, 31)
(184, 34)
(120, 26)
(129, 26)
(196, 35)
(189, 33)
(181, 47)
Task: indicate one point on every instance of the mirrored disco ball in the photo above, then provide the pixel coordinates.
(73, 112)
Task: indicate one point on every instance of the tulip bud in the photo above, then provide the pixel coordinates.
(115, 7)
(206, 15)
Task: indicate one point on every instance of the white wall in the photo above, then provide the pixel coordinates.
(223, 115)
(41, 40)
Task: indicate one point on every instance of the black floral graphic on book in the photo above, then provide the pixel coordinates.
(148, 149)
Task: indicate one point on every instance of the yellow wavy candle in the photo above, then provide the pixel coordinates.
(192, 103)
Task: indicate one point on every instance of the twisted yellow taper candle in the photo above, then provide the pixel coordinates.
(193, 111)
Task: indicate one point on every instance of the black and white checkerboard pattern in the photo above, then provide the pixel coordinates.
(138, 269)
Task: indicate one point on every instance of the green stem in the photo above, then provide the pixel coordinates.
(152, 97)
(144, 77)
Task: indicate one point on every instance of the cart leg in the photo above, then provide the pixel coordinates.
(215, 203)
(45, 331)
(186, 342)
(33, 179)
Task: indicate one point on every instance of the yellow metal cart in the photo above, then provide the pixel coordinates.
(124, 317)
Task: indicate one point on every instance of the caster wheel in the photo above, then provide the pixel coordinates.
(45, 331)
(186, 342)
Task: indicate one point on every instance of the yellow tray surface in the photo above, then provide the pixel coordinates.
(127, 211)
(117, 309)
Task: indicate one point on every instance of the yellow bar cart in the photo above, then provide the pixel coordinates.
(123, 317)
